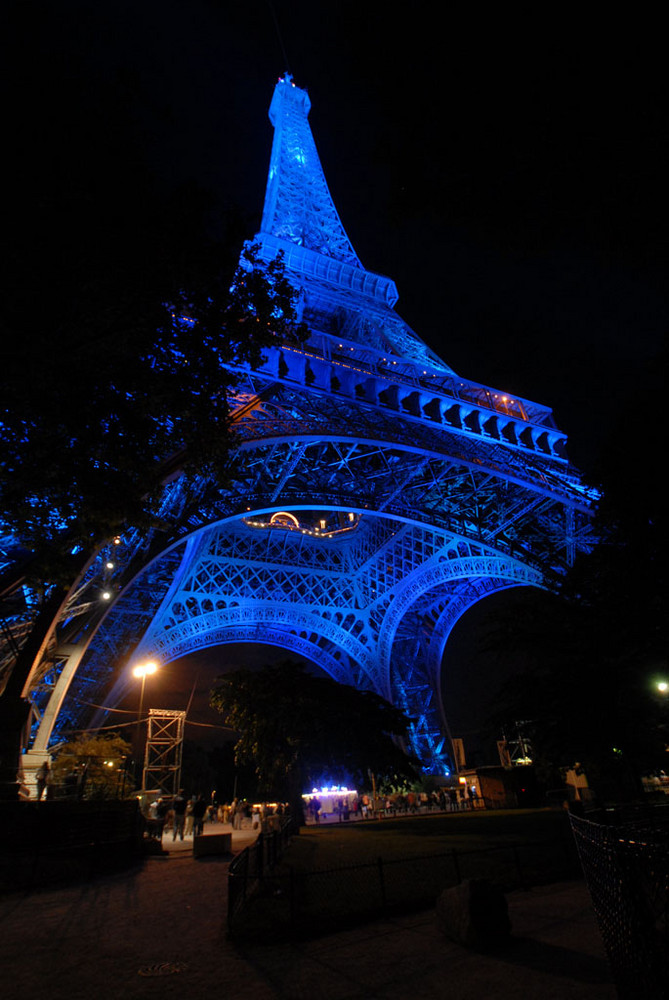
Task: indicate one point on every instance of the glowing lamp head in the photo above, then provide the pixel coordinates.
(663, 686)
(144, 669)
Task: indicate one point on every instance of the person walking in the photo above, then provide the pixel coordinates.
(199, 809)
(189, 824)
(179, 807)
(42, 777)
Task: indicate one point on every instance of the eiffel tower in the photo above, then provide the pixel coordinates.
(376, 496)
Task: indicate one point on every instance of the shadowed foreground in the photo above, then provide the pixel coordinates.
(110, 938)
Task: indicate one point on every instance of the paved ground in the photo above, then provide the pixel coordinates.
(98, 941)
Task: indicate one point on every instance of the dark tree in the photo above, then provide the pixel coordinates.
(122, 310)
(232, 780)
(120, 305)
(197, 775)
(593, 655)
(297, 729)
(93, 767)
(126, 380)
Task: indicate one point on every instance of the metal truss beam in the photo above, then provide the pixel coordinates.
(164, 751)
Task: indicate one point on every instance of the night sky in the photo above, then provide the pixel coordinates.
(509, 173)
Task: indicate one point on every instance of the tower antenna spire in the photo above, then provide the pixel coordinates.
(279, 36)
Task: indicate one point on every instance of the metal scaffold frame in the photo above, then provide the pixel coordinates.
(164, 751)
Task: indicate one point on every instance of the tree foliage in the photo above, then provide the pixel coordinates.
(120, 307)
(129, 371)
(299, 729)
(592, 656)
(95, 765)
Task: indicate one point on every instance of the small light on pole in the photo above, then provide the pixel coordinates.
(663, 686)
(142, 671)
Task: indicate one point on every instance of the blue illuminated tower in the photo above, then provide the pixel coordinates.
(375, 497)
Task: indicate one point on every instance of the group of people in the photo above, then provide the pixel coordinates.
(453, 799)
(354, 807)
(72, 784)
(259, 816)
(185, 817)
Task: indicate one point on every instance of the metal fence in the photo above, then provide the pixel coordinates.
(626, 868)
(277, 901)
(254, 864)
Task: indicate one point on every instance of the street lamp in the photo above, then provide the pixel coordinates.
(142, 671)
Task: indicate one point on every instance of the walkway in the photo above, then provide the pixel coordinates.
(98, 941)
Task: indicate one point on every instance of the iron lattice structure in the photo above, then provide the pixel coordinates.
(376, 496)
(164, 751)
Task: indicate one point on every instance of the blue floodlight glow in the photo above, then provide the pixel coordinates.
(432, 491)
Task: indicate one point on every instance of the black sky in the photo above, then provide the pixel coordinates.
(509, 175)
(507, 171)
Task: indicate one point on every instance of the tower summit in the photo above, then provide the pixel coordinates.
(298, 206)
(300, 219)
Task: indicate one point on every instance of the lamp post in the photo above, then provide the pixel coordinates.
(142, 671)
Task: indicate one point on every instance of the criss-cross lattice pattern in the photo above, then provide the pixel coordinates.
(164, 751)
(298, 205)
(374, 496)
(626, 867)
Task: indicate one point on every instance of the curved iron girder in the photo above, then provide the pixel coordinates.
(408, 483)
(234, 561)
(417, 650)
(331, 659)
(229, 574)
(439, 577)
(419, 473)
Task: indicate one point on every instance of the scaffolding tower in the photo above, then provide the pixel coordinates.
(164, 750)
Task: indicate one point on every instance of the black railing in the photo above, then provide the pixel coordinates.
(284, 900)
(253, 864)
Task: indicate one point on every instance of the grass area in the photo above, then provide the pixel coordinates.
(336, 875)
(336, 845)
